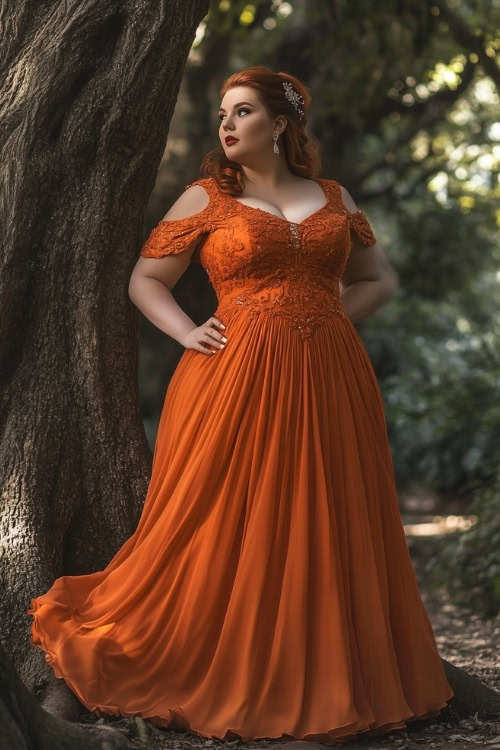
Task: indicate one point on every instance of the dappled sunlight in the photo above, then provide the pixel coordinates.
(437, 525)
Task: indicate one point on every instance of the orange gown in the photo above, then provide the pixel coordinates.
(268, 591)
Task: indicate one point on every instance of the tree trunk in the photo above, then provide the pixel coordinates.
(26, 726)
(86, 99)
(471, 695)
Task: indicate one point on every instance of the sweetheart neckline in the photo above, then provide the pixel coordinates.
(282, 218)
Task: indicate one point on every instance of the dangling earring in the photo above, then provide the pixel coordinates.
(275, 146)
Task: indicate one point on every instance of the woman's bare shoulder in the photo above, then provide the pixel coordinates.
(347, 199)
(194, 200)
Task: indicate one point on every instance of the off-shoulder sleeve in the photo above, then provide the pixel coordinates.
(361, 226)
(358, 222)
(173, 236)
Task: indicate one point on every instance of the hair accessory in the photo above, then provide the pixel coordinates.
(294, 97)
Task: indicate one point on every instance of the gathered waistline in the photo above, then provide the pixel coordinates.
(304, 313)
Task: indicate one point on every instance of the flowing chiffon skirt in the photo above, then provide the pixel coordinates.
(267, 591)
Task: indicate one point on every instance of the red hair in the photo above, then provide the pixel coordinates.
(302, 149)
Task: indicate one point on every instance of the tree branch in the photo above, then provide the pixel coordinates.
(472, 42)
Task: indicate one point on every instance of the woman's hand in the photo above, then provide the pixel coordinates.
(203, 336)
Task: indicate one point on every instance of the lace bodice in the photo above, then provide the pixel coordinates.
(264, 264)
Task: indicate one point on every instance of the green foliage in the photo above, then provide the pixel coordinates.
(440, 378)
(468, 562)
(437, 260)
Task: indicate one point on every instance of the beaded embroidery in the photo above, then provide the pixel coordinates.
(263, 264)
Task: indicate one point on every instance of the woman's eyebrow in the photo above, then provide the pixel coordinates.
(236, 105)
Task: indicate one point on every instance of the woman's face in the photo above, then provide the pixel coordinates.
(244, 117)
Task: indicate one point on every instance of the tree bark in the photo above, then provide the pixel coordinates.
(86, 99)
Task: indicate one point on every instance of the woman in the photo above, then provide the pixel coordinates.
(268, 590)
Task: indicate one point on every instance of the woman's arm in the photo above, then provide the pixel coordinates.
(368, 279)
(153, 278)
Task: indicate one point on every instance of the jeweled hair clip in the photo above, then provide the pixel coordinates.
(294, 97)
